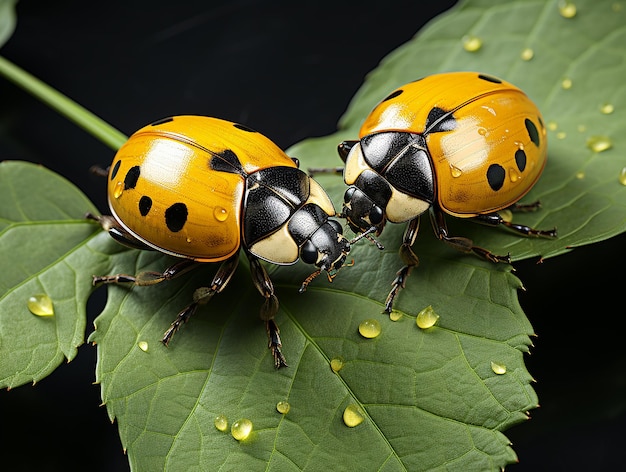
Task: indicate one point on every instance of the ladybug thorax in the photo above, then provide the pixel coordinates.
(393, 172)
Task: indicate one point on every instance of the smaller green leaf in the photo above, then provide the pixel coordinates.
(8, 19)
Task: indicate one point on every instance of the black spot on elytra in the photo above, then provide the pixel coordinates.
(226, 161)
(176, 217)
(244, 128)
(162, 121)
(489, 78)
(520, 159)
(116, 169)
(439, 121)
(145, 203)
(532, 131)
(393, 94)
(132, 176)
(495, 176)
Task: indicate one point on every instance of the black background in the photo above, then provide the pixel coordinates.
(287, 69)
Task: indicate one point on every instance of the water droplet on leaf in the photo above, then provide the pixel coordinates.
(143, 345)
(40, 305)
(221, 423)
(472, 43)
(567, 9)
(283, 407)
(369, 328)
(336, 364)
(241, 429)
(498, 368)
(607, 109)
(599, 143)
(353, 415)
(426, 318)
(527, 54)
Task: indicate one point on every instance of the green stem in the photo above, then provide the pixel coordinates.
(62, 104)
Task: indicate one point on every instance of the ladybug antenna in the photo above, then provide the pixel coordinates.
(330, 273)
(309, 279)
(368, 235)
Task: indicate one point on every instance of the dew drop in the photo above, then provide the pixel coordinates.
(143, 345)
(241, 429)
(220, 213)
(567, 9)
(580, 175)
(599, 143)
(561, 135)
(622, 176)
(221, 423)
(426, 318)
(607, 108)
(353, 415)
(283, 407)
(514, 175)
(395, 315)
(455, 171)
(40, 305)
(566, 84)
(472, 43)
(482, 131)
(527, 54)
(369, 328)
(581, 128)
(118, 189)
(498, 368)
(336, 364)
(552, 125)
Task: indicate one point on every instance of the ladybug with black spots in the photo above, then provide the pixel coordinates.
(203, 189)
(463, 144)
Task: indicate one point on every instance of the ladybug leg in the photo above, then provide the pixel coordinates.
(202, 295)
(494, 219)
(111, 226)
(264, 285)
(148, 277)
(410, 260)
(525, 207)
(460, 243)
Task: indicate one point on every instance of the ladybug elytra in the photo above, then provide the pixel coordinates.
(203, 189)
(462, 143)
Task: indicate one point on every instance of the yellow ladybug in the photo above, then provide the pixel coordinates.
(462, 143)
(202, 189)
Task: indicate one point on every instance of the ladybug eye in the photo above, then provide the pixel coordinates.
(348, 195)
(336, 226)
(308, 253)
(376, 215)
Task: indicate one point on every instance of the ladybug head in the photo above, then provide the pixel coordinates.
(362, 213)
(327, 248)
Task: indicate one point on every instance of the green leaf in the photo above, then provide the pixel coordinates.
(7, 19)
(44, 241)
(430, 396)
